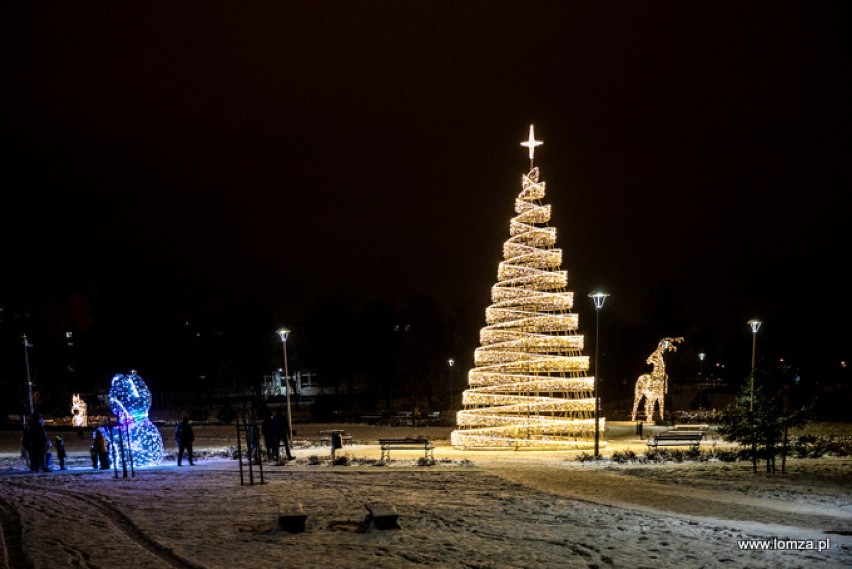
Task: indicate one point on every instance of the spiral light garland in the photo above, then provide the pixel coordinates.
(530, 385)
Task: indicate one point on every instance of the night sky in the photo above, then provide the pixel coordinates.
(696, 156)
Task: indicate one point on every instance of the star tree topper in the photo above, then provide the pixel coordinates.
(532, 143)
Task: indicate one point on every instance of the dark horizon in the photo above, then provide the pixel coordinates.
(286, 156)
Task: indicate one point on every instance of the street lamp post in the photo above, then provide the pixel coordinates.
(452, 363)
(755, 326)
(283, 333)
(599, 298)
(701, 356)
(29, 379)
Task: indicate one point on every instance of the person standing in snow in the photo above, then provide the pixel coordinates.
(101, 449)
(268, 431)
(60, 452)
(184, 436)
(93, 451)
(279, 430)
(36, 443)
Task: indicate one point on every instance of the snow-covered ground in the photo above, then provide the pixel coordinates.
(469, 509)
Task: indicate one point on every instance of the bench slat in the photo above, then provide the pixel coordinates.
(409, 443)
(678, 437)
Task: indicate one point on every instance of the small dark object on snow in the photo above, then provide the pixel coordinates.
(383, 516)
(292, 518)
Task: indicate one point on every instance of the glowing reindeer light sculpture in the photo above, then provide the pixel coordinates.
(530, 385)
(653, 386)
(79, 416)
(129, 400)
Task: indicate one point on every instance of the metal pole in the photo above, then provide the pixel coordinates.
(287, 382)
(597, 419)
(239, 450)
(452, 363)
(755, 326)
(29, 380)
(751, 379)
(599, 298)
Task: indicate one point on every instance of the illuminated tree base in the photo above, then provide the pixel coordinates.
(549, 433)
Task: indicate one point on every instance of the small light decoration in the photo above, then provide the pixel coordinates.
(79, 416)
(530, 385)
(653, 386)
(129, 400)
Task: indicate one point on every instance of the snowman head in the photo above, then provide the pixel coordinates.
(129, 398)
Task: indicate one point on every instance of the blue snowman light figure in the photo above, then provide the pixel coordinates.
(130, 400)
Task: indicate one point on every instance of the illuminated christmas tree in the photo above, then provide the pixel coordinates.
(530, 385)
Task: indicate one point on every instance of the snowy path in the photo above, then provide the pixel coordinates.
(472, 509)
(451, 516)
(803, 518)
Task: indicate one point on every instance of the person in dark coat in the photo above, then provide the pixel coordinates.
(93, 451)
(268, 430)
(101, 449)
(184, 437)
(280, 430)
(336, 442)
(60, 451)
(36, 443)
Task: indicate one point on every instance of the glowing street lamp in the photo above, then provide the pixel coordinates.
(755, 326)
(599, 298)
(283, 333)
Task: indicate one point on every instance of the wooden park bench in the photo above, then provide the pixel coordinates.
(402, 418)
(325, 437)
(432, 418)
(409, 443)
(677, 438)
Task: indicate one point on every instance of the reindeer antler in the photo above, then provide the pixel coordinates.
(669, 343)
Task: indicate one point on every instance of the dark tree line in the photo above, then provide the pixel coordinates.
(369, 358)
(375, 357)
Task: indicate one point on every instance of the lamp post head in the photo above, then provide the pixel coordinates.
(701, 356)
(755, 325)
(452, 362)
(599, 298)
(283, 332)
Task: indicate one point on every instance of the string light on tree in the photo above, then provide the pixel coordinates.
(530, 385)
